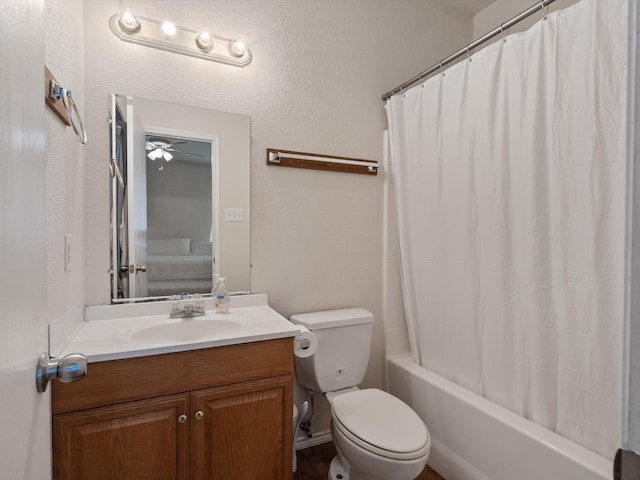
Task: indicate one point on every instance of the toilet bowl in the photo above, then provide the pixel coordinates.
(377, 436)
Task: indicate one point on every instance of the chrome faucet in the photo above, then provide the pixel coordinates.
(188, 307)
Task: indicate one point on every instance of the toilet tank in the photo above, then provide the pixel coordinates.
(344, 341)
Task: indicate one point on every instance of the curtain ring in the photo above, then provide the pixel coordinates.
(502, 32)
(441, 69)
(545, 9)
(468, 56)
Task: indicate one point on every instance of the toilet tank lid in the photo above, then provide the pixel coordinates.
(333, 318)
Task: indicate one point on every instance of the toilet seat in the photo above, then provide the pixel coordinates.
(381, 423)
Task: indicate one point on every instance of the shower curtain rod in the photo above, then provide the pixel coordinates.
(488, 36)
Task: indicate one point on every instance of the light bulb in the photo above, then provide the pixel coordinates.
(167, 156)
(155, 154)
(168, 29)
(128, 21)
(204, 39)
(237, 48)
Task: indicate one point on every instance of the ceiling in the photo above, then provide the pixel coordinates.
(468, 7)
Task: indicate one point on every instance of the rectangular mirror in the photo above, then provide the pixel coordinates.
(179, 199)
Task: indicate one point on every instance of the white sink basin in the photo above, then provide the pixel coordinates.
(187, 330)
(114, 332)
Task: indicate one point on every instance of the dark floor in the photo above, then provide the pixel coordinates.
(313, 464)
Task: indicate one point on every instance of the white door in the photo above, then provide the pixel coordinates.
(137, 206)
(25, 437)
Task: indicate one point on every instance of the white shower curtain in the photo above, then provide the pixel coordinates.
(509, 172)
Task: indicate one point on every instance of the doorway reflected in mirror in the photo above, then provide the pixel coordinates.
(179, 216)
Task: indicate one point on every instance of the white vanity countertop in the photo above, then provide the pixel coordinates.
(125, 331)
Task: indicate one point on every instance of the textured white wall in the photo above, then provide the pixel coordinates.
(314, 85)
(64, 55)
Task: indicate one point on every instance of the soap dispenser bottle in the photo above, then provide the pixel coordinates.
(220, 297)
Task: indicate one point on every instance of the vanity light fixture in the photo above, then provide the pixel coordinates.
(174, 38)
(204, 40)
(169, 29)
(128, 21)
(237, 48)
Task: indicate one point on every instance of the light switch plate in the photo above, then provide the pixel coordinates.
(233, 215)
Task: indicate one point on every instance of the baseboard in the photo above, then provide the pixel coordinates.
(317, 439)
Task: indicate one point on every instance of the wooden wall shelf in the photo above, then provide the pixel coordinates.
(314, 161)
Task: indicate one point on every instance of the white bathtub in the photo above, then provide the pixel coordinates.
(474, 439)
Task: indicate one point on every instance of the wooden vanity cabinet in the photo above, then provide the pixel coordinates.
(238, 435)
(142, 440)
(211, 414)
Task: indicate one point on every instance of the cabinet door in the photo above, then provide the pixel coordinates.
(141, 440)
(244, 431)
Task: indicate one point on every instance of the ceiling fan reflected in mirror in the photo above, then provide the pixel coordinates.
(161, 148)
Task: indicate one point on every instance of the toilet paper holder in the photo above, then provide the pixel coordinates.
(303, 343)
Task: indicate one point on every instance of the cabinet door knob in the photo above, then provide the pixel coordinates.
(182, 419)
(199, 415)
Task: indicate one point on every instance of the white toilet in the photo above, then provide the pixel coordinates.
(377, 436)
